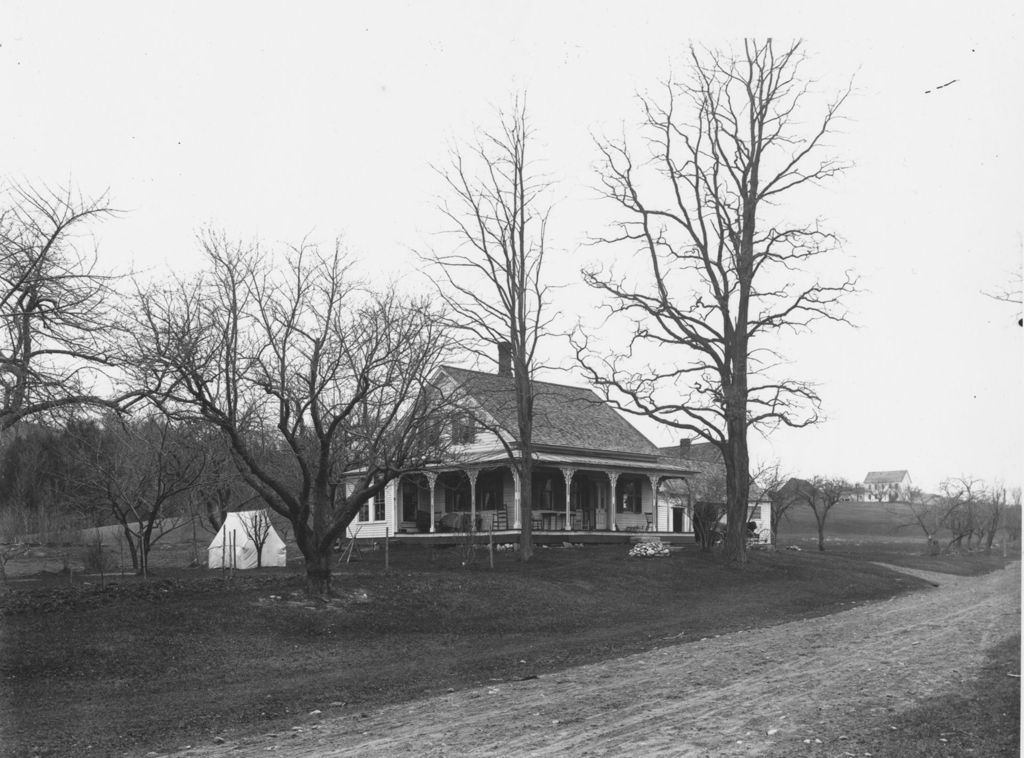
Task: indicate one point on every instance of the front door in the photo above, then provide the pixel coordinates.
(677, 520)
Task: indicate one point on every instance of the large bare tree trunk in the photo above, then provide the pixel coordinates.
(737, 488)
(526, 508)
(318, 575)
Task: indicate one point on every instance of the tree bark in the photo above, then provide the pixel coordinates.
(318, 575)
(526, 507)
(737, 462)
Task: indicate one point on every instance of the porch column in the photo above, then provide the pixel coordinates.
(517, 499)
(654, 500)
(432, 481)
(472, 474)
(568, 473)
(613, 477)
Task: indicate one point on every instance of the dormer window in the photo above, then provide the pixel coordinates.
(463, 430)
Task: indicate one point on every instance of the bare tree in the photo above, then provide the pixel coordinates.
(725, 271)
(222, 489)
(820, 494)
(991, 516)
(492, 280)
(961, 505)
(142, 468)
(256, 525)
(1013, 292)
(924, 512)
(770, 478)
(56, 312)
(707, 493)
(322, 388)
(1012, 518)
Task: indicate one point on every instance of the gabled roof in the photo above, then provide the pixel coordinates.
(885, 477)
(697, 451)
(564, 416)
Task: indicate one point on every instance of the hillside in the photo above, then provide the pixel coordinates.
(853, 520)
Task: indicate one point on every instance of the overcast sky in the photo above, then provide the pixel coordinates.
(278, 123)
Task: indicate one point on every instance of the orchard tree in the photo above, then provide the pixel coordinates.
(57, 314)
(721, 269)
(769, 477)
(321, 387)
(820, 494)
(492, 280)
(257, 526)
(924, 512)
(962, 500)
(141, 469)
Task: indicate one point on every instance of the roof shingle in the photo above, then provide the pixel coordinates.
(564, 416)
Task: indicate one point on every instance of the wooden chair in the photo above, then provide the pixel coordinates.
(577, 521)
(650, 521)
(499, 520)
(536, 521)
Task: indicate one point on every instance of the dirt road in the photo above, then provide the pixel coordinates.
(740, 694)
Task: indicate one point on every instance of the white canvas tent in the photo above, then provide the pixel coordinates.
(233, 547)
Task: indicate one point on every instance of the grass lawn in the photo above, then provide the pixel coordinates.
(187, 655)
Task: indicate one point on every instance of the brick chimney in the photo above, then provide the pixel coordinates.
(684, 446)
(504, 359)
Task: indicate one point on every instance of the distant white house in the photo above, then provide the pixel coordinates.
(886, 486)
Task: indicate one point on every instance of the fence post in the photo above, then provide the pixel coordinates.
(387, 547)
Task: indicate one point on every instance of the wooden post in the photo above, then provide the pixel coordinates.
(472, 475)
(567, 473)
(432, 481)
(224, 556)
(490, 546)
(654, 501)
(387, 548)
(613, 478)
(517, 500)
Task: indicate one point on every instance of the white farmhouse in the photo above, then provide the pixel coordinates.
(886, 486)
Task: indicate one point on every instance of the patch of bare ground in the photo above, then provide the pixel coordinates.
(791, 689)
